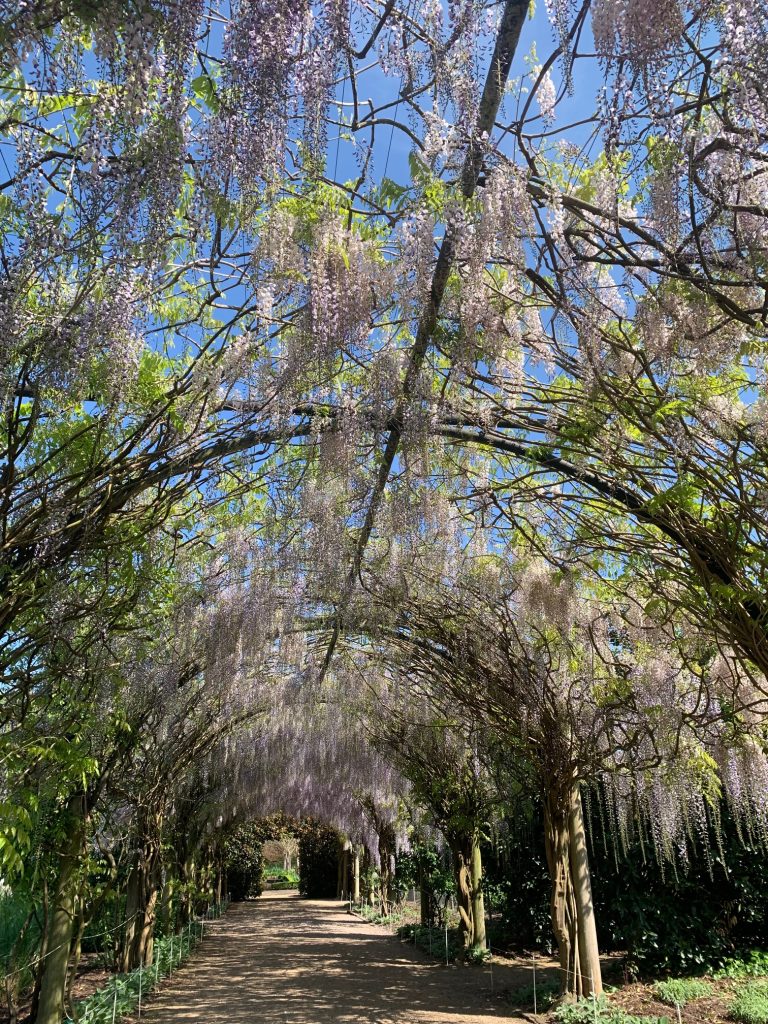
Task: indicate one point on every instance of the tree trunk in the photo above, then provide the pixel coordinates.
(50, 1008)
(167, 915)
(478, 902)
(589, 952)
(461, 849)
(356, 876)
(132, 906)
(425, 900)
(138, 939)
(347, 875)
(75, 955)
(385, 875)
(188, 877)
(219, 888)
(340, 875)
(146, 945)
(43, 953)
(572, 911)
(13, 977)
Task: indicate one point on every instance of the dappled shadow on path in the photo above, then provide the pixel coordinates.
(284, 960)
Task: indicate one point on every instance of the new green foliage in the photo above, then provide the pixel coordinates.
(751, 1004)
(680, 991)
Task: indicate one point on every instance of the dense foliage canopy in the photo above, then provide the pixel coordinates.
(383, 441)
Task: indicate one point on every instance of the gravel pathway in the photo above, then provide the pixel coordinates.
(284, 960)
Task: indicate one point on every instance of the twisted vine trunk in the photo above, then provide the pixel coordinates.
(571, 905)
(478, 901)
(75, 953)
(386, 877)
(356, 876)
(167, 909)
(53, 980)
(426, 899)
(341, 873)
(141, 904)
(468, 871)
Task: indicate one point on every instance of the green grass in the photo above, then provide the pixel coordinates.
(680, 991)
(751, 1004)
(274, 874)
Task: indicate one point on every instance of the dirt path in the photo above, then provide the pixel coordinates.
(283, 960)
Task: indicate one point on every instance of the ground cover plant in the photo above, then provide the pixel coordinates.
(383, 462)
(750, 1005)
(680, 991)
(588, 1011)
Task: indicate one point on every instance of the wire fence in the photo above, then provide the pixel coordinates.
(125, 992)
(438, 941)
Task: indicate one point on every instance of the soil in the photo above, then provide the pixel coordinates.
(285, 960)
(638, 998)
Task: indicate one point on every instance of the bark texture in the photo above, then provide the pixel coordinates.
(571, 906)
(53, 981)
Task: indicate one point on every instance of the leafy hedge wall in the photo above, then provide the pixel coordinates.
(243, 863)
(677, 918)
(319, 847)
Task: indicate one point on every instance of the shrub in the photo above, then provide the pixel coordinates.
(681, 921)
(752, 964)
(17, 951)
(679, 991)
(242, 852)
(751, 1004)
(319, 847)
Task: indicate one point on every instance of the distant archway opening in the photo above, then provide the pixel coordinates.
(280, 851)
